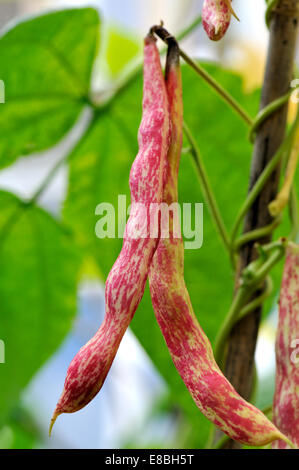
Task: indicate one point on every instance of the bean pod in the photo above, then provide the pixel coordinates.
(189, 347)
(286, 397)
(126, 281)
(216, 17)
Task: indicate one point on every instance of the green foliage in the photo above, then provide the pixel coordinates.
(20, 431)
(120, 50)
(99, 169)
(46, 66)
(38, 280)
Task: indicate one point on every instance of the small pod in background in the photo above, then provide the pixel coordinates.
(216, 17)
(286, 398)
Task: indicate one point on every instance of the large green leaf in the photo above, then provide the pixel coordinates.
(46, 64)
(38, 279)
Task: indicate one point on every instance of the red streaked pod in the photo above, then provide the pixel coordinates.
(189, 347)
(216, 17)
(286, 397)
(126, 281)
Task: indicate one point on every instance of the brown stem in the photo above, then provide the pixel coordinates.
(278, 75)
(163, 34)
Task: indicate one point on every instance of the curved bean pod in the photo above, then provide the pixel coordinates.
(216, 17)
(189, 347)
(286, 397)
(126, 281)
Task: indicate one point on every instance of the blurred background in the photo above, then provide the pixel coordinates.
(129, 410)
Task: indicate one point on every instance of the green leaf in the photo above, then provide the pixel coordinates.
(20, 430)
(46, 64)
(120, 50)
(99, 171)
(38, 278)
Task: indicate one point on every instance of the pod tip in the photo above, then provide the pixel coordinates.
(233, 12)
(288, 441)
(53, 420)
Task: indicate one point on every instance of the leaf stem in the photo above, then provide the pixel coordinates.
(268, 410)
(270, 5)
(221, 442)
(207, 189)
(229, 321)
(265, 175)
(45, 183)
(189, 29)
(294, 214)
(125, 81)
(256, 234)
(224, 94)
(267, 111)
(283, 197)
(274, 258)
(238, 309)
(258, 300)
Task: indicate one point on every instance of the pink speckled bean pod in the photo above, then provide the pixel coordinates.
(216, 17)
(126, 281)
(286, 398)
(189, 347)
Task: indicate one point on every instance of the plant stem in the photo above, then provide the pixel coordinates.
(279, 72)
(267, 111)
(224, 94)
(258, 300)
(45, 183)
(130, 77)
(245, 291)
(294, 214)
(263, 178)
(270, 5)
(206, 188)
(281, 201)
(230, 319)
(256, 234)
(189, 29)
(273, 259)
(218, 88)
(268, 410)
(221, 442)
(47, 180)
